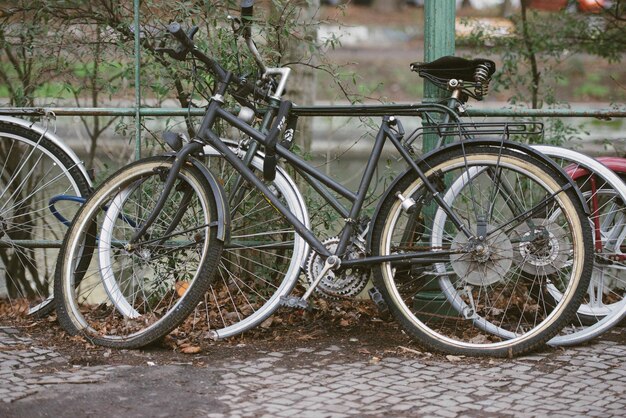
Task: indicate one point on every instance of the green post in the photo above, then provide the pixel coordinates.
(137, 81)
(439, 18)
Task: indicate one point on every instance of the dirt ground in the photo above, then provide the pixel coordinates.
(354, 324)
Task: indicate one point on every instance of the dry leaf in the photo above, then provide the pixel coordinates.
(267, 323)
(181, 288)
(305, 337)
(409, 350)
(454, 358)
(192, 349)
(375, 360)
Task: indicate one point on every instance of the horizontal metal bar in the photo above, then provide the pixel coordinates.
(101, 111)
(573, 113)
(30, 243)
(342, 110)
(408, 109)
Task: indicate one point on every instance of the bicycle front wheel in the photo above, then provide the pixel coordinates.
(38, 179)
(262, 261)
(514, 229)
(126, 295)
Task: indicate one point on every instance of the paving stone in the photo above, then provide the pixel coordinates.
(586, 381)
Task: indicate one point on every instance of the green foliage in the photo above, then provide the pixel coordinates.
(531, 56)
(591, 87)
(83, 51)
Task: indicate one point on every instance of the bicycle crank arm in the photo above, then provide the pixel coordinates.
(332, 263)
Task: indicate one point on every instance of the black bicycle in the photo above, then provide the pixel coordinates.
(463, 245)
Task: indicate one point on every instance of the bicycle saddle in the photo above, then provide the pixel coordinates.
(450, 67)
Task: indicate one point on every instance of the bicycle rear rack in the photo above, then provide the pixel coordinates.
(465, 131)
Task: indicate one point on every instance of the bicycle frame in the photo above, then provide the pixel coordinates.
(385, 133)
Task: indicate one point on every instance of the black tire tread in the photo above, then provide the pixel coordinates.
(191, 298)
(532, 344)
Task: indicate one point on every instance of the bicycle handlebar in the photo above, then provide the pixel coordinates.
(187, 45)
(186, 42)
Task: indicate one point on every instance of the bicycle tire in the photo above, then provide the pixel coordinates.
(129, 296)
(604, 305)
(33, 170)
(262, 261)
(483, 302)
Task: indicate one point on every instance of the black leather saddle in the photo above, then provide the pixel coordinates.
(450, 67)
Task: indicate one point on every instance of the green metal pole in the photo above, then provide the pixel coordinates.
(439, 17)
(137, 81)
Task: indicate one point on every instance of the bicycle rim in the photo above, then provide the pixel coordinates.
(33, 171)
(262, 261)
(488, 297)
(123, 294)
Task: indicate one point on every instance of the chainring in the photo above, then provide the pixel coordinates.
(346, 284)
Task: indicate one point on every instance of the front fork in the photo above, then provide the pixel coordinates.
(172, 175)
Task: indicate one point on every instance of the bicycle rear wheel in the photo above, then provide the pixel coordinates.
(126, 295)
(604, 304)
(35, 175)
(484, 294)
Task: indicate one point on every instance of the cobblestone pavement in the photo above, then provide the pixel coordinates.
(318, 382)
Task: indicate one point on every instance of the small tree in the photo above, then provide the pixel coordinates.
(539, 43)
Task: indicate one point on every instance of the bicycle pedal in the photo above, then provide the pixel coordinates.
(293, 302)
(377, 298)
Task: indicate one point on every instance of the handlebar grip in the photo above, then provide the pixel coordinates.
(246, 7)
(247, 11)
(179, 33)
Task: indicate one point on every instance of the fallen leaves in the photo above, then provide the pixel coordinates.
(267, 323)
(181, 288)
(192, 349)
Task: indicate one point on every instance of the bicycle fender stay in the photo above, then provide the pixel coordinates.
(50, 136)
(223, 211)
(526, 149)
